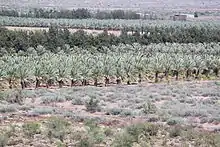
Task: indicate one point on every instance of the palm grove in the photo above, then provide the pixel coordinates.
(150, 52)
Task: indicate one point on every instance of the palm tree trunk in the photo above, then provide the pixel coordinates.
(177, 75)
(95, 82)
(106, 81)
(22, 84)
(139, 78)
(156, 76)
(167, 74)
(84, 82)
(10, 83)
(197, 74)
(216, 71)
(187, 73)
(128, 82)
(118, 80)
(37, 83)
(60, 83)
(73, 83)
(47, 85)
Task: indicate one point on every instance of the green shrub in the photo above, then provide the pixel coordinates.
(173, 121)
(146, 129)
(92, 105)
(2, 95)
(15, 96)
(3, 140)
(59, 144)
(43, 110)
(217, 83)
(123, 140)
(7, 108)
(57, 128)
(126, 112)
(114, 111)
(30, 129)
(149, 108)
(52, 98)
(175, 131)
(108, 132)
(77, 101)
(94, 131)
(86, 142)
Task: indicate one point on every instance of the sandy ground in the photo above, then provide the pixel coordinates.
(89, 31)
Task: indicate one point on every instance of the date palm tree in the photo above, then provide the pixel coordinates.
(74, 69)
(216, 66)
(48, 72)
(177, 64)
(127, 62)
(167, 65)
(23, 72)
(156, 65)
(141, 64)
(188, 65)
(62, 70)
(85, 69)
(118, 69)
(96, 69)
(107, 66)
(199, 64)
(11, 70)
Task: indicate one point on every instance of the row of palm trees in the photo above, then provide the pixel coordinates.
(124, 67)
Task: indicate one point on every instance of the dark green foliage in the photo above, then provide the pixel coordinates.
(56, 38)
(196, 14)
(80, 13)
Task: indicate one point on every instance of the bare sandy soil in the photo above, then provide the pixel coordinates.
(112, 4)
(89, 31)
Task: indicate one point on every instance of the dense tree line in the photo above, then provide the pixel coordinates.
(56, 38)
(80, 13)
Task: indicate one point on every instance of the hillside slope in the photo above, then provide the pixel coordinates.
(110, 4)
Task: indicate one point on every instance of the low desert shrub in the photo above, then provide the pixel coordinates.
(57, 128)
(30, 129)
(8, 108)
(114, 111)
(77, 101)
(92, 105)
(2, 95)
(108, 132)
(174, 121)
(3, 140)
(123, 140)
(126, 112)
(94, 131)
(51, 99)
(15, 96)
(86, 141)
(149, 108)
(43, 110)
(146, 129)
(175, 131)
